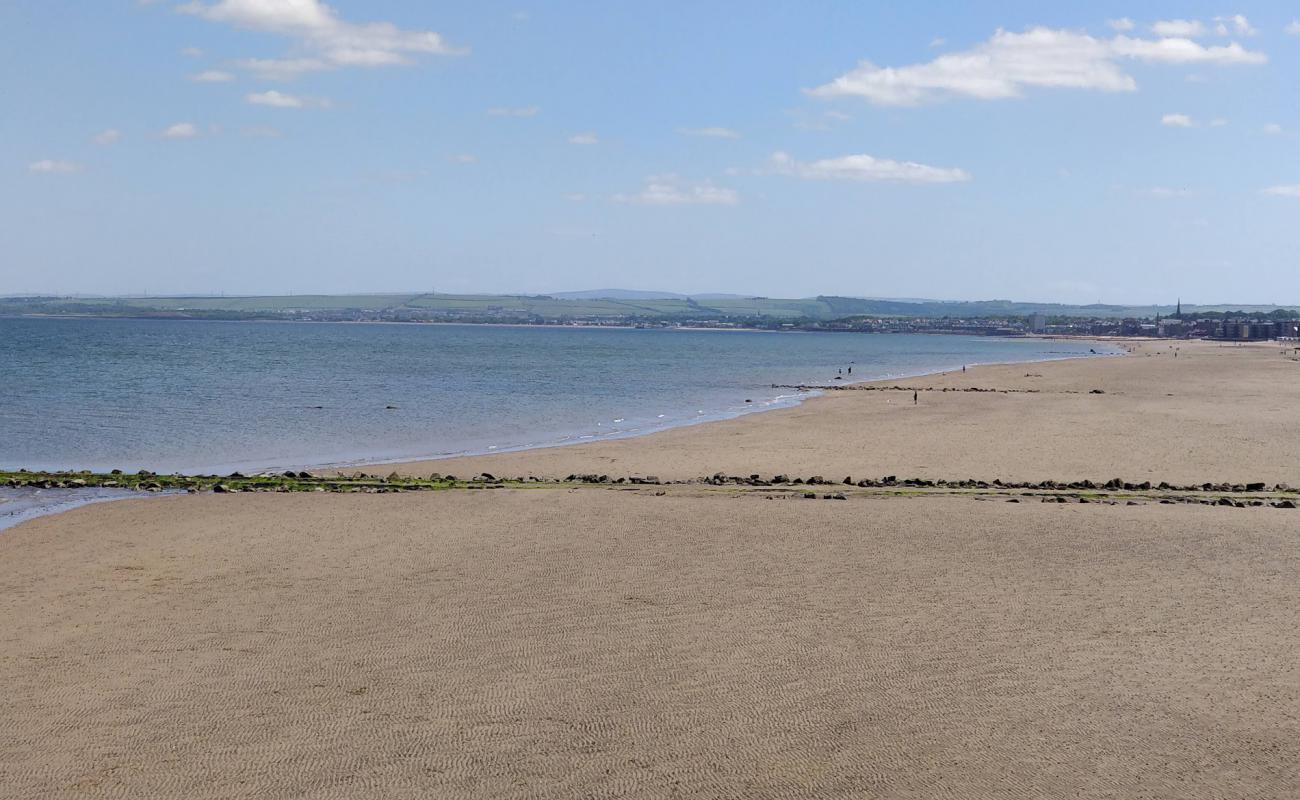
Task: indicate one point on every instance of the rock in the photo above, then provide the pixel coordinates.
(1255, 487)
(1284, 504)
(1224, 501)
(220, 488)
(1096, 391)
(810, 495)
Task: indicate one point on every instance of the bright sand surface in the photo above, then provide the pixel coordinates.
(614, 642)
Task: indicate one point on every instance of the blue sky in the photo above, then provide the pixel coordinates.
(1077, 152)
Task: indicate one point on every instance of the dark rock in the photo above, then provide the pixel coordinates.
(810, 495)
(1255, 487)
(1096, 391)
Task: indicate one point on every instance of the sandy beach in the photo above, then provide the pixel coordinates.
(697, 641)
(1217, 412)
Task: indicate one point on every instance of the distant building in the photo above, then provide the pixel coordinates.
(1037, 323)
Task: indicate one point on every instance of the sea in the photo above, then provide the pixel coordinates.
(214, 397)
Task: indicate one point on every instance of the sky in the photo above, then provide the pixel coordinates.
(1113, 152)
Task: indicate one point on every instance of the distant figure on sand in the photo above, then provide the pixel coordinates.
(963, 369)
(850, 370)
(914, 396)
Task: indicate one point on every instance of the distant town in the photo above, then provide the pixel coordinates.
(623, 308)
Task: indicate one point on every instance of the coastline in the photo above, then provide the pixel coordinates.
(1154, 416)
(778, 403)
(704, 640)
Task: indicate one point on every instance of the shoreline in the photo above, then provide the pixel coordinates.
(803, 396)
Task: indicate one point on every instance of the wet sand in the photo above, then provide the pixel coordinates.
(693, 641)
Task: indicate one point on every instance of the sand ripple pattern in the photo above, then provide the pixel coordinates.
(605, 644)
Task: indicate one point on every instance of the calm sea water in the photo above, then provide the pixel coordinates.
(218, 396)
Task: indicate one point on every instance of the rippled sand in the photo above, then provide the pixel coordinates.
(600, 643)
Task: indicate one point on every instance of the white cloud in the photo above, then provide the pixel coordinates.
(1008, 63)
(670, 190)
(1218, 122)
(710, 133)
(1185, 51)
(280, 69)
(1185, 28)
(1293, 27)
(1121, 24)
(584, 138)
(1236, 24)
(1273, 129)
(938, 41)
(276, 99)
(181, 130)
(1292, 190)
(212, 76)
(862, 167)
(1177, 121)
(107, 137)
(192, 52)
(318, 30)
(50, 166)
(502, 111)
(463, 158)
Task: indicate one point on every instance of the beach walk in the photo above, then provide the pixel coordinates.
(692, 640)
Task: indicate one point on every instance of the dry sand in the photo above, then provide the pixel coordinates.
(1216, 413)
(600, 643)
(603, 642)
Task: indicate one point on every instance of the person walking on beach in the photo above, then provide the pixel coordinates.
(914, 398)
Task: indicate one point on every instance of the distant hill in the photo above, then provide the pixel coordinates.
(617, 306)
(637, 294)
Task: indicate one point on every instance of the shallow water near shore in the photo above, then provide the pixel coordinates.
(206, 396)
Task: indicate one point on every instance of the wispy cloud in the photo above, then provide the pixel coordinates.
(1164, 192)
(1293, 28)
(710, 133)
(107, 137)
(191, 52)
(1273, 129)
(1177, 121)
(1235, 24)
(1292, 190)
(1009, 63)
(584, 138)
(212, 76)
(317, 29)
(276, 99)
(506, 111)
(463, 158)
(50, 166)
(1178, 27)
(1121, 24)
(862, 167)
(671, 190)
(181, 130)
